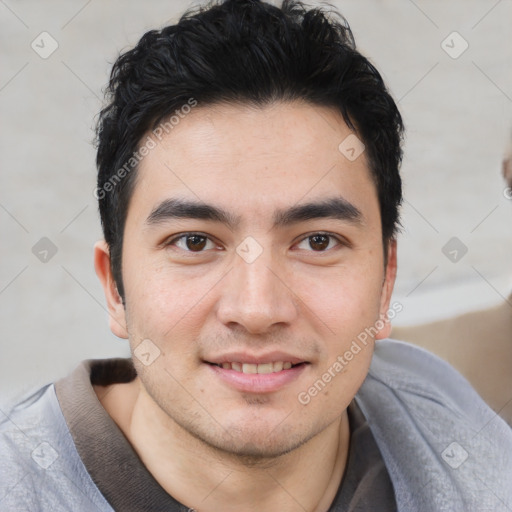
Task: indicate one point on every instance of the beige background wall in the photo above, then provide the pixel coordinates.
(458, 113)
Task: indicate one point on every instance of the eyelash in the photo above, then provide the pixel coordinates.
(172, 241)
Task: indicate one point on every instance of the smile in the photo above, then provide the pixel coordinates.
(271, 367)
(258, 377)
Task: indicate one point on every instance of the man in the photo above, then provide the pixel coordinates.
(248, 188)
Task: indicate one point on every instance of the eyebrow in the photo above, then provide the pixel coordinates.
(332, 208)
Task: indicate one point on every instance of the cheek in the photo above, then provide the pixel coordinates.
(345, 302)
(164, 303)
(335, 383)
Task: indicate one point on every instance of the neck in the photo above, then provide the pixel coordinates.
(207, 479)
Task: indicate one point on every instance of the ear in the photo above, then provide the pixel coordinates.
(387, 290)
(115, 304)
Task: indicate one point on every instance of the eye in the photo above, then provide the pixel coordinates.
(320, 242)
(192, 242)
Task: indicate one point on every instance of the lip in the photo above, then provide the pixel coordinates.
(258, 383)
(244, 357)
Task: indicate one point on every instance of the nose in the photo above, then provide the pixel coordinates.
(257, 295)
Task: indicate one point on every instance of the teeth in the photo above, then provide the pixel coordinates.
(266, 368)
(278, 366)
(258, 368)
(249, 368)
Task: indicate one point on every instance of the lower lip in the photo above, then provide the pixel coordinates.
(258, 382)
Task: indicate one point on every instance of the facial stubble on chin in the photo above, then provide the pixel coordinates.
(249, 454)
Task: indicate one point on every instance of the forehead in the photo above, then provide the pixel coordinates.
(254, 158)
(282, 130)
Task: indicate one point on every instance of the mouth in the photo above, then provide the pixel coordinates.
(260, 368)
(262, 376)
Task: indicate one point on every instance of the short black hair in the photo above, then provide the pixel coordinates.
(242, 51)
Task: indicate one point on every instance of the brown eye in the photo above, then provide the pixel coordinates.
(192, 242)
(319, 242)
(195, 242)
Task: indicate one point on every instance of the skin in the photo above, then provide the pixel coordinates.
(209, 445)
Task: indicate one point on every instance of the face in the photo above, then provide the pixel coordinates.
(284, 267)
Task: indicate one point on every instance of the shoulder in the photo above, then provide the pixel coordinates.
(414, 370)
(40, 468)
(23, 422)
(25, 450)
(409, 374)
(424, 414)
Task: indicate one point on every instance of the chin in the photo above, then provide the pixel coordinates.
(256, 441)
(254, 448)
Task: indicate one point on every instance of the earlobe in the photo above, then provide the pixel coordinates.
(115, 304)
(387, 290)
